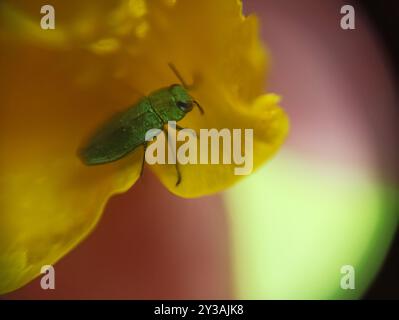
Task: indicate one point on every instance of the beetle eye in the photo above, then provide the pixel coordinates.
(185, 106)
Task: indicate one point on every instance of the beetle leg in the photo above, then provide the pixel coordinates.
(142, 163)
(178, 128)
(178, 174)
(177, 162)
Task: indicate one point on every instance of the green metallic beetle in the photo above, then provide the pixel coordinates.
(126, 132)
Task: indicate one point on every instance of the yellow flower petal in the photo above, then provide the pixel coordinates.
(57, 86)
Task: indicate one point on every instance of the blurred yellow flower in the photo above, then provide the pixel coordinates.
(57, 86)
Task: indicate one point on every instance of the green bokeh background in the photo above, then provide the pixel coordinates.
(295, 223)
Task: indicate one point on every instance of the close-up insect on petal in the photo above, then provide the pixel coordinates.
(127, 131)
(102, 58)
(197, 149)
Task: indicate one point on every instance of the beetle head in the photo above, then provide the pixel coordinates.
(183, 100)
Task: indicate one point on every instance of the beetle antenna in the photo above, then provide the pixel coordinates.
(199, 107)
(178, 75)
